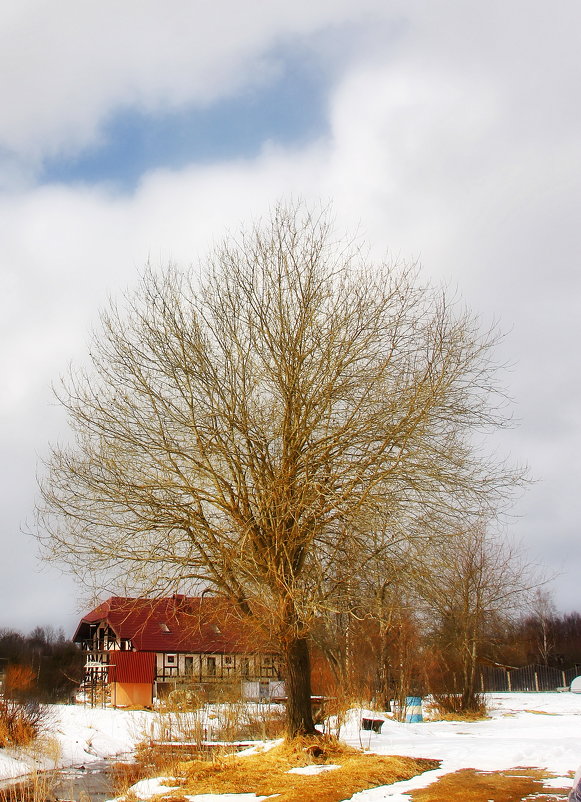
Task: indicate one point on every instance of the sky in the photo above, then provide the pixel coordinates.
(446, 132)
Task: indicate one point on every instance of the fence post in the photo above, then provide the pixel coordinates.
(537, 681)
(564, 678)
(508, 681)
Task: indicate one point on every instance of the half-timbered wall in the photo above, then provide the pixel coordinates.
(215, 667)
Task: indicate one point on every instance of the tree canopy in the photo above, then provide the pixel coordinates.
(270, 425)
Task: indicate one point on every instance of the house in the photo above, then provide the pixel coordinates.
(140, 649)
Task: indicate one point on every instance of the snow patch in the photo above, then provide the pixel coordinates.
(145, 789)
(314, 769)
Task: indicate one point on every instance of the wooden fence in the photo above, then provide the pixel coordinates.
(529, 678)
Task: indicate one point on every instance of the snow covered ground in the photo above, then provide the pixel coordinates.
(538, 730)
(76, 736)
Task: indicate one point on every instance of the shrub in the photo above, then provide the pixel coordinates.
(19, 679)
(20, 722)
(452, 706)
(248, 722)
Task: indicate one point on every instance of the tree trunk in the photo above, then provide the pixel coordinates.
(469, 672)
(299, 714)
(385, 691)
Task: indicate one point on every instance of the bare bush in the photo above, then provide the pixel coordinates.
(181, 725)
(248, 722)
(39, 788)
(452, 706)
(471, 585)
(21, 722)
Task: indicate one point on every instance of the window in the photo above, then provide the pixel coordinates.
(189, 665)
(245, 667)
(170, 659)
(228, 661)
(211, 666)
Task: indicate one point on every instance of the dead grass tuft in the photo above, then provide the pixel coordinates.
(21, 722)
(37, 788)
(267, 773)
(542, 713)
(469, 785)
(468, 715)
(125, 775)
(449, 707)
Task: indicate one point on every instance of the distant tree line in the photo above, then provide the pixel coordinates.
(402, 647)
(433, 637)
(555, 641)
(43, 665)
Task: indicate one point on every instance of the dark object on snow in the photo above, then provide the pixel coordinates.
(374, 724)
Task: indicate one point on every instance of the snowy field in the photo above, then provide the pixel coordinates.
(78, 736)
(539, 730)
(534, 730)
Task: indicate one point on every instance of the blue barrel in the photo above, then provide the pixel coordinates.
(413, 709)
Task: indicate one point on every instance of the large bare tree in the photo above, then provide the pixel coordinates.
(266, 426)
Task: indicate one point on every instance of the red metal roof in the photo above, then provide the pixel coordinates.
(175, 624)
(131, 667)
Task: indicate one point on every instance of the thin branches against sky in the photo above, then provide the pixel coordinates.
(446, 133)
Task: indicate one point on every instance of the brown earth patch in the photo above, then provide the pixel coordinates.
(541, 713)
(513, 785)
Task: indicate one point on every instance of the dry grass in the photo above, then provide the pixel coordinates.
(542, 713)
(37, 788)
(266, 773)
(38, 785)
(125, 775)
(469, 785)
(238, 722)
(441, 715)
(21, 722)
(16, 732)
(449, 707)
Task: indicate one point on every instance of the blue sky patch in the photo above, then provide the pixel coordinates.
(291, 110)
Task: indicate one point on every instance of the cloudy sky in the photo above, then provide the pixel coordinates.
(447, 131)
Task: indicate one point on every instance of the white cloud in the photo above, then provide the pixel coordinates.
(64, 70)
(458, 142)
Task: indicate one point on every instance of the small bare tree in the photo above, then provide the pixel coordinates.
(474, 582)
(247, 428)
(541, 617)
